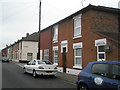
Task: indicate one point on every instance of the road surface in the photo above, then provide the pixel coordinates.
(13, 77)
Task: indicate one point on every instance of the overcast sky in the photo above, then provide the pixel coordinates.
(18, 17)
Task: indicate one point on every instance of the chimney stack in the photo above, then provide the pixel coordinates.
(27, 34)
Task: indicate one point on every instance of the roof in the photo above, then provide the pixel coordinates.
(89, 7)
(101, 8)
(33, 37)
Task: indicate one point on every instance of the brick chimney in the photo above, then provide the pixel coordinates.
(27, 34)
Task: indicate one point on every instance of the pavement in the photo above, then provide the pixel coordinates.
(67, 77)
(64, 76)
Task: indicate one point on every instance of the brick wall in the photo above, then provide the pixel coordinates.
(93, 22)
(45, 42)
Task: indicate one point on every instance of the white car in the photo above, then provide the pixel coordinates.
(40, 67)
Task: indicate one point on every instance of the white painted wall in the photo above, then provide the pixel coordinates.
(69, 71)
(73, 71)
(28, 47)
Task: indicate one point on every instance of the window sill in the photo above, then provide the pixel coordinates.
(55, 41)
(76, 37)
(78, 67)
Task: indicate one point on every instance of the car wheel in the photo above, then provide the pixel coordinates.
(34, 74)
(83, 87)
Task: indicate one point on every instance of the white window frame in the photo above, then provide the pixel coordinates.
(78, 35)
(55, 48)
(101, 42)
(41, 51)
(55, 36)
(76, 46)
(64, 44)
(46, 55)
(98, 53)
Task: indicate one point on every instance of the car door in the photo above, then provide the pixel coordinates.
(29, 67)
(115, 76)
(101, 76)
(32, 66)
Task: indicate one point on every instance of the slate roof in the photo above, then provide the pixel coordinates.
(89, 7)
(33, 37)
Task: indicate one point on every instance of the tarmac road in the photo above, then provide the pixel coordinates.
(13, 77)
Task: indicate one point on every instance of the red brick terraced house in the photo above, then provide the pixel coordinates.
(91, 34)
(46, 44)
(15, 51)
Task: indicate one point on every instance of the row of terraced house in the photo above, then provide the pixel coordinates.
(91, 34)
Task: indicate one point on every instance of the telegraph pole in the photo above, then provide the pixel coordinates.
(38, 54)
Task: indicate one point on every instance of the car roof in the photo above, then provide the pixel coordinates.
(106, 62)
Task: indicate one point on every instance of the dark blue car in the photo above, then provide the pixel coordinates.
(100, 75)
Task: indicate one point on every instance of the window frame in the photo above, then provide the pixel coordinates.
(56, 56)
(77, 27)
(55, 48)
(98, 53)
(46, 55)
(75, 59)
(55, 34)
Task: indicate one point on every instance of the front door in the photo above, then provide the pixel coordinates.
(64, 59)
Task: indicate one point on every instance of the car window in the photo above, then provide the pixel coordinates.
(47, 62)
(41, 62)
(34, 62)
(116, 72)
(29, 63)
(100, 69)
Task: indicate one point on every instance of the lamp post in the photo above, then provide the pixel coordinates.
(38, 54)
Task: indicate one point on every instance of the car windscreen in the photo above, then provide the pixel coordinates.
(41, 62)
(47, 62)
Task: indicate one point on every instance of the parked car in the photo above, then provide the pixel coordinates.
(5, 59)
(0, 58)
(100, 75)
(40, 67)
